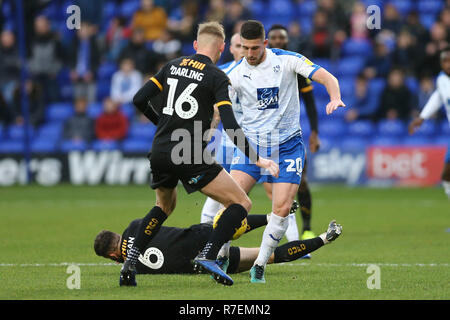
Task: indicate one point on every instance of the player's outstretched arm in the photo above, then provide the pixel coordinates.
(432, 106)
(330, 82)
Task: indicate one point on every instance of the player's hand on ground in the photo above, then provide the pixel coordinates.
(414, 125)
(314, 142)
(333, 105)
(269, 165)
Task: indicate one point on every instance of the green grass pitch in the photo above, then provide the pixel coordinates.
(405, 232)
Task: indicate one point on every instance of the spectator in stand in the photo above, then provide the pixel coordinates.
(112, 124)
(84, 62)
(146, 61)
(5, 112)
(79, 127)
(167, 46)
(150, 18)
(397, 101)
(364, 105)
(9, 66)
(183, 20)
(438, 41)
(406, 53)
(235, 12)
(444, 18)
(125, 82)
(46, 58)
(358, 21)
(36, 104)
(415, 27)
(336, 14)
(321, 36)
(116, 37)
(216, 10)
(379, 64)
(391, 18)
(426, 88)
(298, 42)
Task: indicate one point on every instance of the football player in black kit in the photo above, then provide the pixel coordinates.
(191, 88)
(278, 38)
(172, 249)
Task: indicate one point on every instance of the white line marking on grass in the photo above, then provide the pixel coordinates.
(302, 264)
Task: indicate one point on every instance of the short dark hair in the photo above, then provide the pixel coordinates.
(445, 50)
(104, 243)
(252, 29)
(277, 27)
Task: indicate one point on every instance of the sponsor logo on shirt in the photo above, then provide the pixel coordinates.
(267, 98)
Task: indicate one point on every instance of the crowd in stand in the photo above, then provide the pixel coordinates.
(388, 73)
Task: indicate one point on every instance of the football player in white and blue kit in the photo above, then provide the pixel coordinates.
(441, 96)
(265, 82)
(225, 150)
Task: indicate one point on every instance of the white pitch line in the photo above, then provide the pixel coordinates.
(302, 264)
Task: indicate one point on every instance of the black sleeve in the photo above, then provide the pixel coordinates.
(235, 132)
(142, 100)
(306, 88)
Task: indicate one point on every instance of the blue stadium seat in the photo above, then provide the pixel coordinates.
(416, 140)
(412, 84)
(356, 47)
(40, 145)
(445, 128)
(94, 109)
(103, 89)
(361, 128)
(350, 65)
(391, 127)
(258, 9)
(430, 6)
(58, 111)
(128, 8)
(427, 19)
(427, 129)
(327, 143)
(12, 146)
(324, 63)
(50, 131)
(441, 141)
(282, 9)
(69, 145)
(100, 145)
(106, 70)
(136, 145)
(354, 144)
(128, 110)
(404, 6)
(142, 131)
(306, 8)
(332, 128)
(17, 132)
(385, 140)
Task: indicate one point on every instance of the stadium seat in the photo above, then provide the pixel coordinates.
(69, 145)
(430, 6)
(350, 66)
(391, 127)
(106, 70)
(128, 8)
(427, 20)
(404, 6)
(356, 47)
(324, 63)
(354, 144)
(306, 8)
(412, 84)
(283, 10)
(12, 146)
(128, 110)
(136, 146)
(142, 131)
(58, 111)
(100, 145)
(361, 128)
(50, 131)
(416, 140)
(445, 128)
(41, 145)
(94, 109)
(103, 89)
(441, 141)
(258, 9)
(427, 129)
(17, 132)
(332, 128)
(385, 140)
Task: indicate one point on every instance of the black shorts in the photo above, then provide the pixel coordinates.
(164, 173)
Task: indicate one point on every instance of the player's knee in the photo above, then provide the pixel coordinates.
(244, 201)
(282, 209)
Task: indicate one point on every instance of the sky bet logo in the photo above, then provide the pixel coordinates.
(267, 98)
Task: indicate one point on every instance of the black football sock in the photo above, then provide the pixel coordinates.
(149, 226)
(304, 198)
(296, 249)
(255, 221)
(227, 224)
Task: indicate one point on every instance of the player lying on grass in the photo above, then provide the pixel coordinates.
(172, 249)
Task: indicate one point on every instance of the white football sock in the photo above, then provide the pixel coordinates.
(209, 210)
(446, 185)
(292, 230)
(225, 250)
(274, 232)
